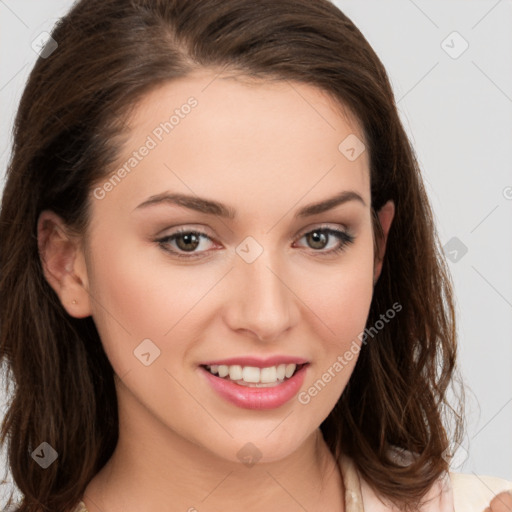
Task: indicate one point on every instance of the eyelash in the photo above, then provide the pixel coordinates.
(344, 237)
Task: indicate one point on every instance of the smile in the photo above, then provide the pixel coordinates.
(250, 387)
(254, 376)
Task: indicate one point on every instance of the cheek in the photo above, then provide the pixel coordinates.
(120, 286)
(340, 305)
(131, 279)
(340, 296)
(345, 299)
(137, 294)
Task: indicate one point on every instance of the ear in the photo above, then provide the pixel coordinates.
(385, 214)
(63, 264)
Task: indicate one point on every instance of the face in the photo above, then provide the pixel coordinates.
(242, 267)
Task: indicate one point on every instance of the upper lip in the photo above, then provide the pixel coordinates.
(257, 361)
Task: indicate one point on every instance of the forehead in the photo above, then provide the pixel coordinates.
(233, 96)
(210, 133)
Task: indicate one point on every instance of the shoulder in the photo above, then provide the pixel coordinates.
(475, 492)
(452, 492)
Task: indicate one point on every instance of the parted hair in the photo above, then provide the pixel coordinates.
(66, 136)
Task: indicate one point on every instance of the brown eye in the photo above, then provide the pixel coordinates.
(187, 241)
(182, 242)
(320, 238)
(317, 239)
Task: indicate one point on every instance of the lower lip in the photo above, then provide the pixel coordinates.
(257, 398)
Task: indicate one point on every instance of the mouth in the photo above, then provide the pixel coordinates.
(250, 387)
(252, 376)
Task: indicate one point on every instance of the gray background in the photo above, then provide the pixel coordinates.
(457, 109)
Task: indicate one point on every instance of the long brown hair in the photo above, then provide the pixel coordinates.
(68, 133)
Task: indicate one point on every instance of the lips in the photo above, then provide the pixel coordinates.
(256, 397)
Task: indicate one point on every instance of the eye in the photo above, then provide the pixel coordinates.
(184, 243)
(318, 239)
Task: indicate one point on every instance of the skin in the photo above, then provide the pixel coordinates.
(501, 503)
(266, 150)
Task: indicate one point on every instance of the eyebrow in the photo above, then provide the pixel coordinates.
(211, 207)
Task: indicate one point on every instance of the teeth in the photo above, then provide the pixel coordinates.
(267, 374)
(223, 370)
(290, 368)
(249, 374)
(254, 375)
(235, 372)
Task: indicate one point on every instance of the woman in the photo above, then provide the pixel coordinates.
(224, 285)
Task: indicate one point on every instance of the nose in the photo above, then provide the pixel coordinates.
(261, 298)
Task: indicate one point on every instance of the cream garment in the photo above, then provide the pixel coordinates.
(455, 492)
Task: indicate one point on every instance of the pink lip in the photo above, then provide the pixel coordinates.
(253, 397)
(257, 362)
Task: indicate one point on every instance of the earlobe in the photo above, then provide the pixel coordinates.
(63, 264)
(385, 215)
